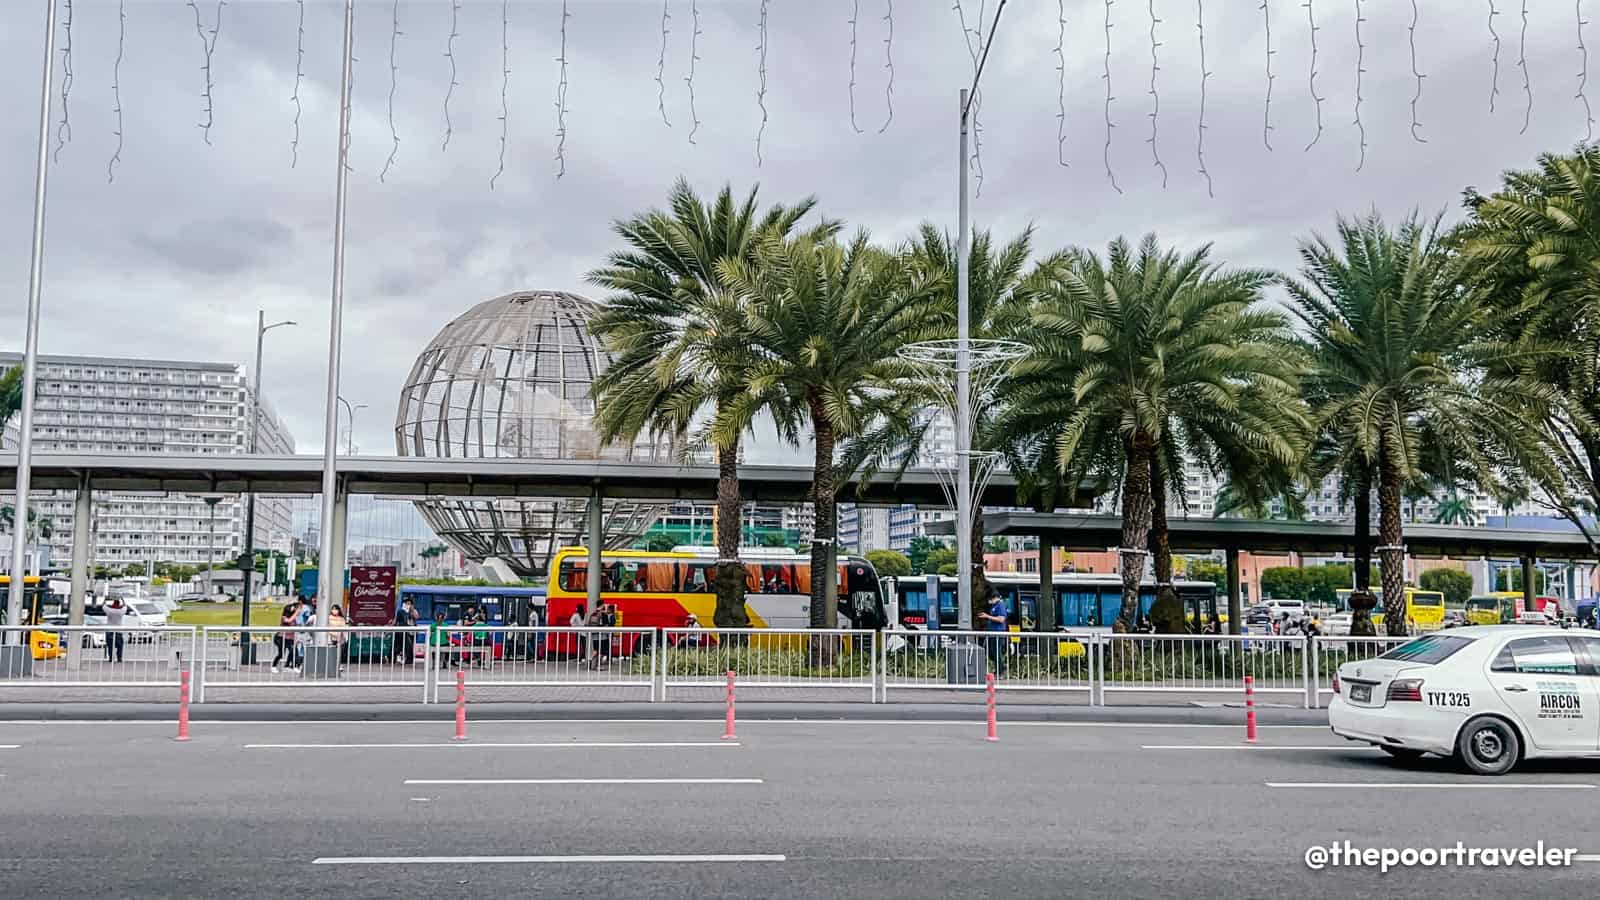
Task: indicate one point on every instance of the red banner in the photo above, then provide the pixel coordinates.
(372, 595)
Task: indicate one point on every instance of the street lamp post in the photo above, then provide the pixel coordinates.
(350, 441)
(964, 499)
(15, 655)
(248, 562)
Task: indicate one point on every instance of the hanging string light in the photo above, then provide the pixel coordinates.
(661, 65)
(1583, 76)
(1522, 60)
(1361, 56)
(1200, 129)
(561, 98)
(1106, 151)
(974, 39)
(761, 74)
(116, 93)
(208, 46)
(1266, 113)
(1061, 82)
(394, 75)
(1494, 78)
(299, 73)
(505, 85)
(1155, 96)
(888, 63)
(64, 129)
(1311, 19)
(1412, 36)
(450, 54)
(855, 11)
(694, 56)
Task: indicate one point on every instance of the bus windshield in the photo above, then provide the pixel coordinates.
(1427, 598)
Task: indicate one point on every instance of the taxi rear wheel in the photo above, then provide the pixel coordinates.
(1488, 746)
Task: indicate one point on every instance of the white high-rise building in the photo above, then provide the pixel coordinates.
(103, 405)
(863, 528)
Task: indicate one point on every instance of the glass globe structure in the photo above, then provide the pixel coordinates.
(513, 378)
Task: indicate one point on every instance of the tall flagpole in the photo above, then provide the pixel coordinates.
(30, 357)
(331, 583)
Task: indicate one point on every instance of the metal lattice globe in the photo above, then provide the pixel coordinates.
(513, 378)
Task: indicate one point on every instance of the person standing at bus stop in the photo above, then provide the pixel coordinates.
(114, 615)
(405, 642)
(995, 621)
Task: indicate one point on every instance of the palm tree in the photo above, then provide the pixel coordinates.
(1455, 510)
(1146, 358)
(828, 319)
(681, 343)
(897, 436)
(10, 397)
(1408, 380)
(1531, 246)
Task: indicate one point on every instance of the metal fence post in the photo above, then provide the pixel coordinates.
(657, 664)
(1097, 671)
(429, 690)
(873, 663)
(1314, 689)
(197, 663)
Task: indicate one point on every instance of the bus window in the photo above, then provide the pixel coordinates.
(914, 604)
(698, 578)
(630, 577)
(1078, 608)
(658, 576)
(777, 578)
(752, 578)
(574, 575)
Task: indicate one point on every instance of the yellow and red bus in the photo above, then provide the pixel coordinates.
(661, 590)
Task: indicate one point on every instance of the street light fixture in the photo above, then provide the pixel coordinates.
(250, 504)
(350, 440)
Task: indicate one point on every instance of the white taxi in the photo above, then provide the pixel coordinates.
(1489, 695)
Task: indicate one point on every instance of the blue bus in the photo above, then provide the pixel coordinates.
(1083, 601)
(500, 605)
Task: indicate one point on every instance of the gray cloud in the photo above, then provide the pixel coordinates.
(175, 257)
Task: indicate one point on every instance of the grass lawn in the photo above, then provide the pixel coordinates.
(226, 613)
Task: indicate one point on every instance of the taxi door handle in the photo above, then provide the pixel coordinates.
(1516, 688)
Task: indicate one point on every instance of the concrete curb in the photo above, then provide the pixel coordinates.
(557, 712)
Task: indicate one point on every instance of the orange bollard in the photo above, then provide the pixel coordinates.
(1249, 709)
(727, 731)
(993, 736)
(461, 705)
(183, 705)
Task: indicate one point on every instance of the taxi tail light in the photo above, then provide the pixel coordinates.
(1336, 683)
(1406, 689)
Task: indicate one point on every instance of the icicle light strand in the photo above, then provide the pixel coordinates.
(1361, 57)
(116, 92)
(1522, 60)
(450, 54)
(888, 63)
(975, 102)
(694, 55)
(761, 75)
(1061, 82)
(1155, 97)
(299, 75)
(208, 46)
(1494, 77)
(505, 85)
(1205, 74)
(1311, 20)
(1583, 76)
(561, 99)
(661, 65)
(64, 129)
(855, 12)
(1106, 151)
(1415, 74)
(1266, 112)
(394, 76)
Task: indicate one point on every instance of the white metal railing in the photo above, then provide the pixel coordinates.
(1329, 653)
(369, 657)
(820, 658)
(960, 660)
(526, 656)
(99, 656)
(1203, 664)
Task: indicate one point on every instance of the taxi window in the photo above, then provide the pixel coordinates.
(1591, 646)
(1435, 648)
(1537, 655)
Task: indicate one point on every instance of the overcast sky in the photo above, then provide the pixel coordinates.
(174, 258)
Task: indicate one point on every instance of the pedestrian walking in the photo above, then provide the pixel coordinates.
(305, 619)
(404, 642)
(439, 639)
(597, 617)
(341, 638)
(995, 621)
(576, 623)
(284, 640)
(115, 612)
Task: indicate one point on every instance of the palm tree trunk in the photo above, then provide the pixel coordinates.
(1391, 556)
(1361, 600)
(1167, 613)
(823, 613)
(730, 611)
(982, 590)
(1136, 514)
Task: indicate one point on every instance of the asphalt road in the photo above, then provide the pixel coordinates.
(806, 809)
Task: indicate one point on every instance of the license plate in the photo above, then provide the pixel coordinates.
(1361, 693)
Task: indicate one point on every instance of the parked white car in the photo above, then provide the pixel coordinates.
(1488, 695)
(1337, 624)
(1285, 609)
